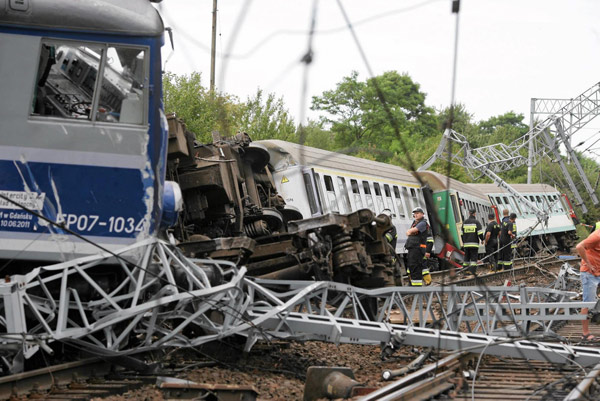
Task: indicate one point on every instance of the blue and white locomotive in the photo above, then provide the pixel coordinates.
(84, 136)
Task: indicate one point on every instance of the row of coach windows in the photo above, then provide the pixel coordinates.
(544, 202)
(482, 210)
(370, 195)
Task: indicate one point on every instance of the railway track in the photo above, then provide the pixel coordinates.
(522, 267)
(95, 378)
(490, 379)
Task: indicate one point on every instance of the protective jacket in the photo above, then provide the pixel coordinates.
(506, 227)
(494, 229)
(391, 236)
(421, 239)
(471, 232)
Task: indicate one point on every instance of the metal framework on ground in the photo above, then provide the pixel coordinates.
(168, 300)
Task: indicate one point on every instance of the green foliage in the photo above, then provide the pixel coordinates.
(204, 111)
(384, 118)
(313, 134)
(369, 114)
(267, 118)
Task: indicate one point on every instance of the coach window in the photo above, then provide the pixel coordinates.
(558, 203)
(67, 84)
(331, 198)
(415, 197)
(562, 207)
(455, 208)
(356, 194)
(321, 193)
(378, 197)
(345, 199)
(389, 202)
(312, 202)
(516, 205)
(551, 202)
(541, 202)
(368, 195)
(399, 204)
(547, 202)
(406, 198)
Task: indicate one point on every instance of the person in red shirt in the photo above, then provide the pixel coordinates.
(589, 250)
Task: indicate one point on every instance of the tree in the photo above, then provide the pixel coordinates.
(313, 134)
(203, 111)
(376, 115)
(267, 118)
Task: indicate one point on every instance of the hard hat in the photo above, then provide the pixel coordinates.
(387, 212)
(418, 210)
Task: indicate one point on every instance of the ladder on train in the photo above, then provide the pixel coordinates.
(544, 139)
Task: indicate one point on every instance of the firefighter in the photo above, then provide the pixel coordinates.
(391, 237)
(472, 235)
(428, 248)
(492, 231)
(508, 233)
(416, 245)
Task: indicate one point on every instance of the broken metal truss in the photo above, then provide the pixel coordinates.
(168, 300)
(542, 140)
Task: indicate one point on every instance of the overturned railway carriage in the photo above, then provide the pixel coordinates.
(233, 211)
(318, 181)
(558, 233)
(83, 138)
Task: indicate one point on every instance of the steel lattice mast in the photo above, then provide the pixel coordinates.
(543, 140)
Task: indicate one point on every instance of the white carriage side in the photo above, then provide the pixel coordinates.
(317, 182)
(560, 226)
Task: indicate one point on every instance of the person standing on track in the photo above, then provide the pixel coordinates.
(492, 231)
(508, 234)
(589, 250)
(391, 236)
(416, 245)
(472, 234)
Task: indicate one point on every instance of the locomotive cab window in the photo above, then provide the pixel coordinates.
(91, 82)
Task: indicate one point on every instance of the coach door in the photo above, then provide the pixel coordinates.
(312, 194)
(457, 206)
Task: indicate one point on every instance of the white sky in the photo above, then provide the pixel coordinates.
(508, 50)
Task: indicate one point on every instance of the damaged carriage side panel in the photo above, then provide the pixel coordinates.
(82, 126)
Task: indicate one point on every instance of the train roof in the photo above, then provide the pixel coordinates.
(124, 17)
(521, 188)
(438, 182)
(284, 154)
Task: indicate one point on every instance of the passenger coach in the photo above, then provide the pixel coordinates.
(559, 233)
(317, 182)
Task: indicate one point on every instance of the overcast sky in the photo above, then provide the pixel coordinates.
(508, 50)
